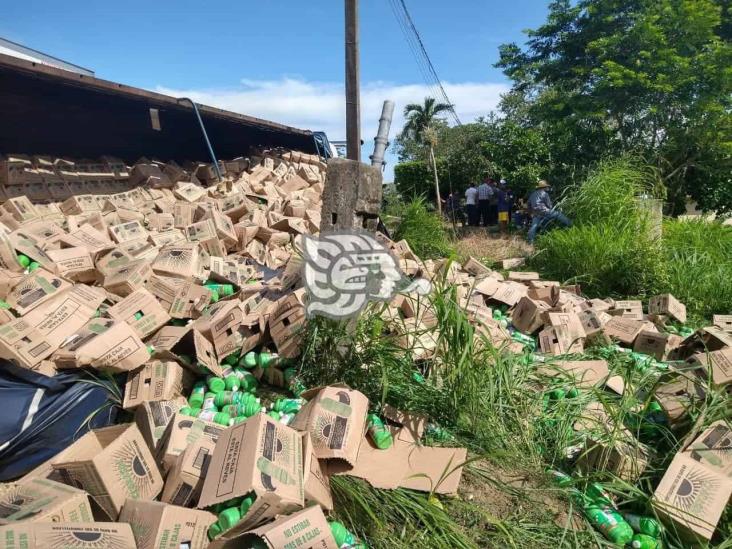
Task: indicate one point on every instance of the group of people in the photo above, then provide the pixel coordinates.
(491, 203)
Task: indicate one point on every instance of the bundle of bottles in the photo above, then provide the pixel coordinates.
(232, 398)
(628, 530)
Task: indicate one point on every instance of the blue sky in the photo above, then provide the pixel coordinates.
(280, 59)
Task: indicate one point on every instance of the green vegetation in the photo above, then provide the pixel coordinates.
(423, 230)
(698, 258)
(598, 80)
(611, 250)
(494, 403)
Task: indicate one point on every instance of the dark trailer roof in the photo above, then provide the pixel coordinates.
(49, 111)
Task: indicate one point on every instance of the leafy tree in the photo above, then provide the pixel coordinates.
(420, 127)
(651, 77)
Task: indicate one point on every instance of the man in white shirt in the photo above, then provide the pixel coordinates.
(471, 204)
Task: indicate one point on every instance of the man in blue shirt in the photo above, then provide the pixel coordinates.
(542, 211)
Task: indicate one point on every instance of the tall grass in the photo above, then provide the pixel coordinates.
(424, 231)
(699, 262)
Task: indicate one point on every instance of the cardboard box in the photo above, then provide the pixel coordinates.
(692, 496)
(677, 396)
(74, 264)
(527, 316)
(125, 232)
(104, 344)
(667, 304)
(632, 309)
(624, 330)
(570, 321)
(68, 535)
(157, 380)
(189, 301)
(259, 455)
(161, 526)
(713, 448)
(183, 344)
(656, 344)
(42, 500)
(112, 465)
(556, 340)
(583, 373)
(34, 289)
(626, 461)
(26, 244)
(316, 481)
(723, 322)
(142, 311)
(716, 364)
(335, 417)
(185, 480)
(307, 529)
(23, 344)
(128, 277)
(153, 417)
(286, 323)
(181, 261)
(180, 433)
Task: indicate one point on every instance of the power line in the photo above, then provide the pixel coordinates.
(416, 45)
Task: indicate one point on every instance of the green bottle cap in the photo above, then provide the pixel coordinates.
(232, 359)
(229, 517)
(33, 266)
(216, 384)
(233, 383)
(557, 394)
(24, 260)
(573, 393)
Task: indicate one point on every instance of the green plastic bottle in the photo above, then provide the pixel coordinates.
(247, 381)
(24, 260)
(229, 517)
(188, 411)
(557, 394)
(249, 360)
(610, 523)
(33, 266)
(214, 296)
(214, 530)
(265, 359)
(293, 382)
(232, 359)
(216, 384)
(232, 381)
(221, 418)
(248, 409)
(288, 405)
(224, 398)
(378, 432)
(643, 525)
(343, 537)
(223, 290)
(598, 496)
(643, 541)
(197, 395)
(209, 402)
(573, 393)
(274, 414)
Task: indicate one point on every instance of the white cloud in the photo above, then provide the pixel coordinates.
(321, 105)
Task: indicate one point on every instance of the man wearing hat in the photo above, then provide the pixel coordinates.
(542, 211)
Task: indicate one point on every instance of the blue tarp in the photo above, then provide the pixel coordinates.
(43, 415)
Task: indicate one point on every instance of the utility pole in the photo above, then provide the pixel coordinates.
(353, 104)
(381, 142)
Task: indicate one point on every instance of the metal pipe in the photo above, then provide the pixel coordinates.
(205, 136)
(381, 141)
(353, 106)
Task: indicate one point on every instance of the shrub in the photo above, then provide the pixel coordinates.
(699, 261)
(424, 231)
(607, 259)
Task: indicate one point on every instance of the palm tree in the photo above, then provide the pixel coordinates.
(419, 126)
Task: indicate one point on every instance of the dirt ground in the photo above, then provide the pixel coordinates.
(481, 244)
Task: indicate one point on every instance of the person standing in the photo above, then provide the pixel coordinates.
(485, 192)
(471, 204)
(493, 204)
(542, 211)
(505, 205)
